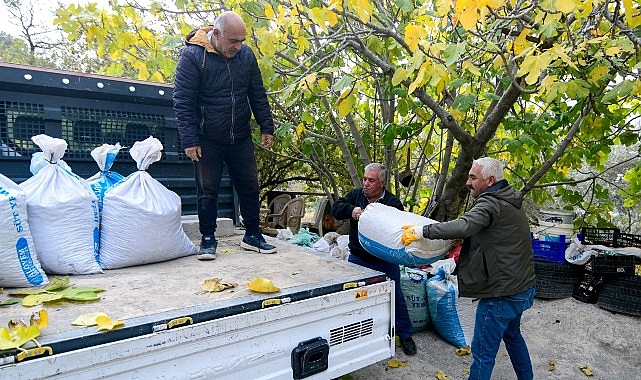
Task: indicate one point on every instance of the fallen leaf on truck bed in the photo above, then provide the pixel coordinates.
(87, 319)
(262, 285)
(107, 324)
(215, 285)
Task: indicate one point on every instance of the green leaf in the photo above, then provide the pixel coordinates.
(10, 301)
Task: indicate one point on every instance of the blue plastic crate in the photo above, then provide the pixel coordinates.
(550, 251)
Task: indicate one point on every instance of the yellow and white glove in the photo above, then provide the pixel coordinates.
(412, 233)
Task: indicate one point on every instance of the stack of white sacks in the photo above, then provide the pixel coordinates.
(57, 223)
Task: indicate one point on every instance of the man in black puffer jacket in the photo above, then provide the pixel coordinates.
(217, 87)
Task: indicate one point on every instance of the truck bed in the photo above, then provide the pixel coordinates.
(149, 298)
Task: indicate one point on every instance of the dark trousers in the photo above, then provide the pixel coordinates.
(241, 165)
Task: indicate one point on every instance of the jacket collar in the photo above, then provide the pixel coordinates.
(202, 38)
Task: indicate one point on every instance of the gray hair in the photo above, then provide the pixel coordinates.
(220, 21)
(376, 167)
(490, 167)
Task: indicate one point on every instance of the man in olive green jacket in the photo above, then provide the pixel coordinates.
(495, 265)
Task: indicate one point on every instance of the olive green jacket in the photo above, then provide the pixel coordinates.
(496, 257)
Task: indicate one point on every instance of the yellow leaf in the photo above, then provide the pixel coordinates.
(300, 129)
(345, 102)
(615, 50)
(37, 299)
(463, 351)
(565, 6)
(467, 13)
(597, 74)
(532, 67)
(107, 324)
(586, 370)
(521, 42)
(215, 285)
(443, 7)
(269, 11)
(469, 66)
(551, 365)
(40, 319)
(413, 34)
(630, 18)
(441, 375)
(394, 363)
(87, 319)
(262, 285)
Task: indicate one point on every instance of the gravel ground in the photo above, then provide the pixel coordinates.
(565, 334)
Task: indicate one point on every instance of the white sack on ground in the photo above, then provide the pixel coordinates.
(63, 214)
(141, 218)
(380, 230)
(105, 179)
(19, 263)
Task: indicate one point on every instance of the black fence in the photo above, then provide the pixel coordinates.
(88, 111)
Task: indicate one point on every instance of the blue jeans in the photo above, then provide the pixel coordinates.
(241, 165)
(401, 315)
(499, 318)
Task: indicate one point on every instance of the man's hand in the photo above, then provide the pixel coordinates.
(193, 152)
(266, 140)
(412, 233)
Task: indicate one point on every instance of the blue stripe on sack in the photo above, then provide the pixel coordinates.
(32, 274)
(398, 256)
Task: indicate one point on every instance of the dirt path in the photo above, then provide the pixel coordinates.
(570, 333)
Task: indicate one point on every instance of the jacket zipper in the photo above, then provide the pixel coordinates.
(202, 120)
(233, 103)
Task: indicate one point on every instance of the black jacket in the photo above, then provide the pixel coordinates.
(342, 209)
(214, 97)
(496, 257)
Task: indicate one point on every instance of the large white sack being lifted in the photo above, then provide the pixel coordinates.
(19, 264)
(141, 218)
(63, 214)
(380, 228)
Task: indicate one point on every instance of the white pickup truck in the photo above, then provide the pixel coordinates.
(329, 318)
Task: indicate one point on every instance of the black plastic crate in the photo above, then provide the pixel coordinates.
(600, 236)
(628, 240)
(611, 265)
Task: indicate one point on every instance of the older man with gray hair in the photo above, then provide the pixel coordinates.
(495, 266)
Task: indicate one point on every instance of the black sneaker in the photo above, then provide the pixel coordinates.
(207, 249)
(409, 347)
(257, 243)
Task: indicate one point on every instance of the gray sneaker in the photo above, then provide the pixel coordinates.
(257, 243)
(207, 249)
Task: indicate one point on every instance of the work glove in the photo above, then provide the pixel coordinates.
(412, 233)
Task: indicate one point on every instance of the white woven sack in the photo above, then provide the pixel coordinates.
(63, 215)
(18, 259)
(380, 230)
(141, 218)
